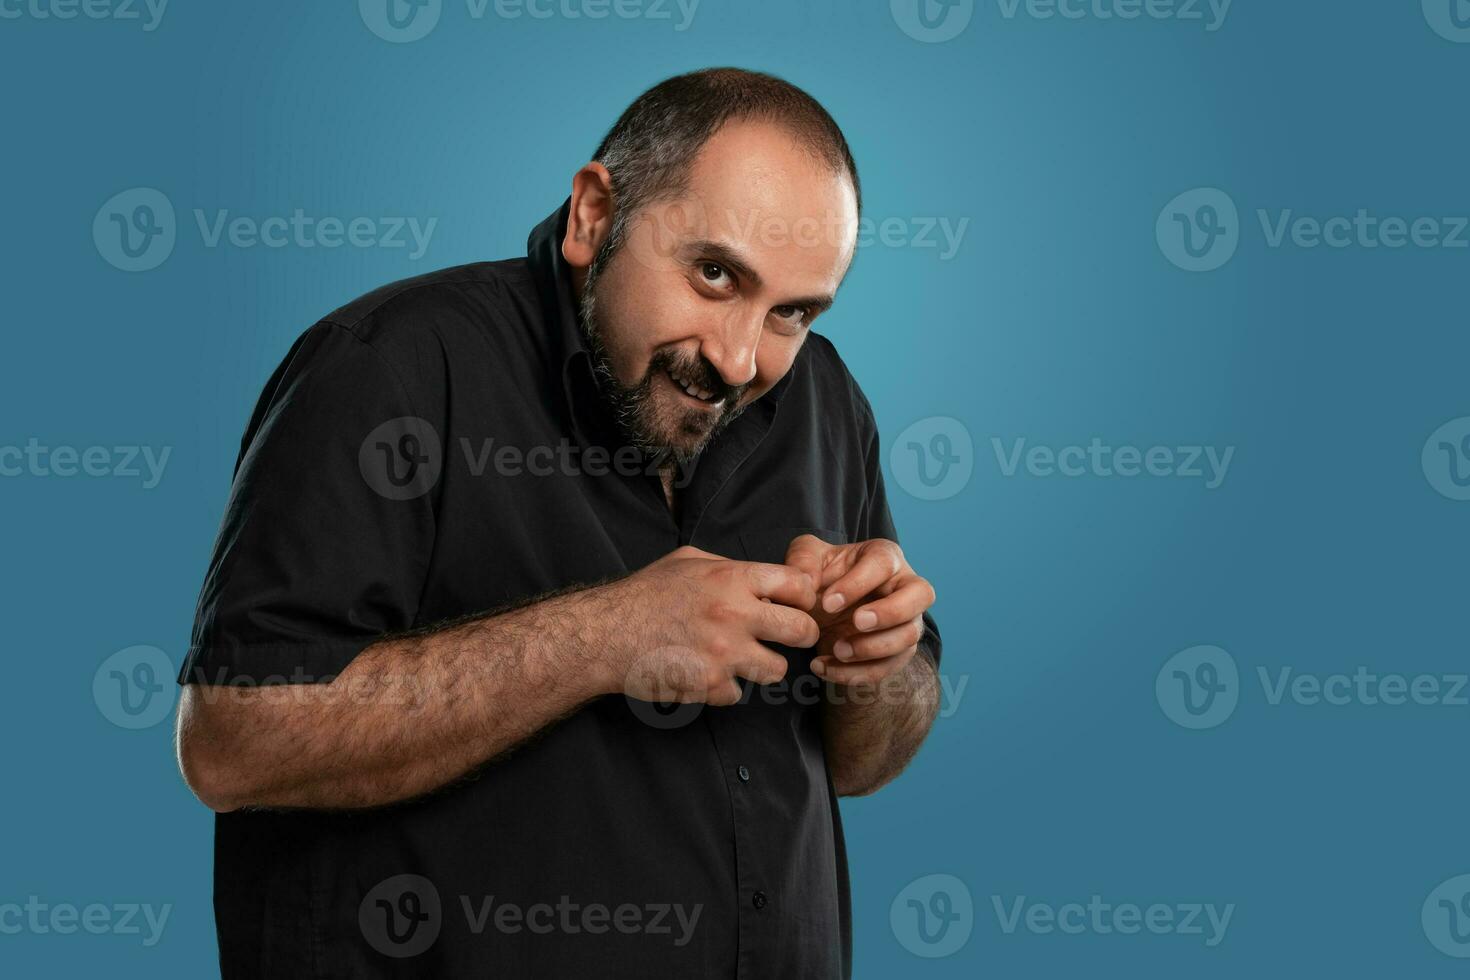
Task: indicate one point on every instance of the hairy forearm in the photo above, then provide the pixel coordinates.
(406, 716)
(872, 731)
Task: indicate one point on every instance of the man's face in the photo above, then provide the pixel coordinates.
(707, 301)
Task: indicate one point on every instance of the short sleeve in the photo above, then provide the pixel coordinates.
(325, 542)
(877, 520)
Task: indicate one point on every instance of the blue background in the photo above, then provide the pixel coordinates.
(1057, 776)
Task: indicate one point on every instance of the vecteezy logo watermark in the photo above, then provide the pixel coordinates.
(1362, 687)
(401, 915)
(932, 21)
(573, 918)
(1446, 459)
(1198, 687)
(933, 458)
(914, 232)
(1199, 230)
(116, 462)
(135, 230)
(1211, 13)
(565, 458)
(306, 231)
(933, 916)
(1446, 917)
(401, 21)
(654, 681)
(402, 458)
(1101, 918)
(40, 918)
(1363, 230)
(1450, 19)
(134, 688)
(120, 10)
(660, 230)
(1099, 459)
(652, 685)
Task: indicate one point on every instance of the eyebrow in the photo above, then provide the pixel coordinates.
(727, 256)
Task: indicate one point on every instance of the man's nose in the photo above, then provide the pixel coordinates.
(731, 347)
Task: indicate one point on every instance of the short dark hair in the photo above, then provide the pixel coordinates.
(651, 148)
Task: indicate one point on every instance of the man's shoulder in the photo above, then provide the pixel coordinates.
(412, 336)
(830, 378)
(475, 295)
(465, 320)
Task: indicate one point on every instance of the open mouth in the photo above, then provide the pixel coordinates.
(693, 391)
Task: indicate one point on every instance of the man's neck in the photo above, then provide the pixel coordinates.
(666, 477)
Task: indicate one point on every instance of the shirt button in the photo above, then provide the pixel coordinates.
(743, 773)
(758, 900)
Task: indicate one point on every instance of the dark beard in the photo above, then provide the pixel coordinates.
(632, 406)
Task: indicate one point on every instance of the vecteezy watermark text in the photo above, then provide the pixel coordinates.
(650, 690)
(1200, 230)
(306, 231)
(404, 458)
(1101, 918)
(1200, 687)
(40, 918)
(1207, 463)
(664, 228)
(571, 918)
(149, 13)
(136, 230)
(115, 462)
(935, 21)
(1210, 13)
(404, 21)
(402, 916)
(934, 457)
(564, 458)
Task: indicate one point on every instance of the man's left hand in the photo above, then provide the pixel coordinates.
(870, 607)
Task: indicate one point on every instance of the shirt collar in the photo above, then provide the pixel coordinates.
(554, 284)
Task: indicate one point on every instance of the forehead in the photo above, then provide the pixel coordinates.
(756, 189)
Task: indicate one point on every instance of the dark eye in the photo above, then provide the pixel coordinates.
(794, 316)
(713, 272)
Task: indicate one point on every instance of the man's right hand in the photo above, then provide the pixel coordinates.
(681, 629)
(695, 622)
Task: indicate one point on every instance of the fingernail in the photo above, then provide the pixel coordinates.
(819, 668)
(832, 601)
(865, 620)
(843, 649)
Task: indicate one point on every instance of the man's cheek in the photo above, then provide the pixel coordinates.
(770, 370)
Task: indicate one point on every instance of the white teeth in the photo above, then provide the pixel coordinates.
(690, 388)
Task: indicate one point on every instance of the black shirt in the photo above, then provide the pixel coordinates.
(375, 493)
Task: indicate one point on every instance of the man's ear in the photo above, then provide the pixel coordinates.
(590, 219)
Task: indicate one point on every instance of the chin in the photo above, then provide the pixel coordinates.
(690, 438)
